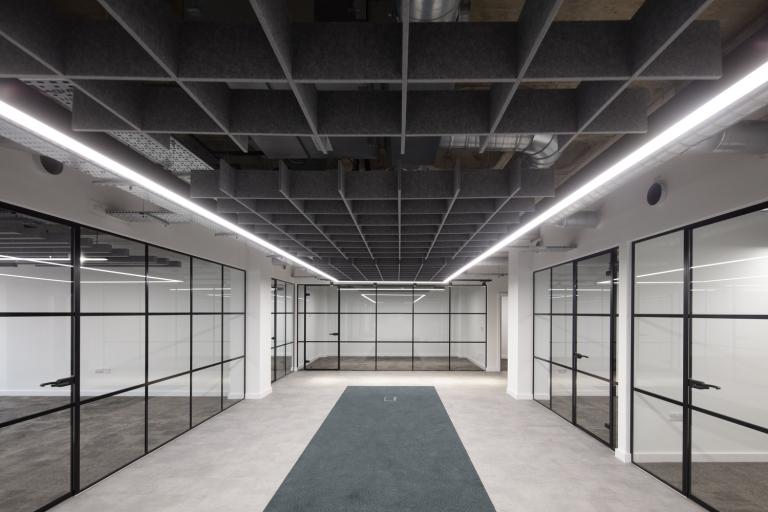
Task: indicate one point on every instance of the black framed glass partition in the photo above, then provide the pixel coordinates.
(283, 340)
(574, 342)
(699, 420)
(398, 327)
(113, 348)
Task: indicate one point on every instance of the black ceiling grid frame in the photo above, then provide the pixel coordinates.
(269, 80)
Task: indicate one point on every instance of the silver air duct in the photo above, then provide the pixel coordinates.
(434, 10)
(541, 149)
(585, 219)
(749, 137)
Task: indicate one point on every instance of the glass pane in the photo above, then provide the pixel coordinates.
(562, 289)
(168, 408)
(207, 286)
(394, 327)
(111, 434)
(394, 356)
(431, 300)
(468, 327)
(36, 461)
(467, 356)
(562, 339)
(112, 274)
(206, 340)
(169, 345)
(111, 353)
(322, 299)
(658, 358)
(320, 327)
(358, 327)
(234, 382)
(430, 356)
(541, 285)
(658, 438)
(541, 381)
(395, 300)
(358, 356)
(358, 300)
(35, 350)
(279, 297)
(593, 289)
(35, 264)
(290, 297)
(728, 467)
(593, 335)
(430, 327)
(468, 299)
(206, 393)
(730, 266)
(541, 335)
(593, 406)
(731, 353)
(659, 275)
(562, 392)
(170, 292)
(289, 352)
(234, 290)
(234, 335)
(322, 356)
(281, 365)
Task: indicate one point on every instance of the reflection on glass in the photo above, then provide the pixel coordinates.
(562, 339)
(233, 290)
(34, 351)
(358, 299)
(168, 408)
(593, 406)
(234, 382)
(658, 438)
(207, 287)
(112, 274)
(111, 434)
(36, 461)
(234, 335)
(111, 353)
(170, 292)
(541, 381)
(395, 300)
(206, 340)
(659, 275)
(658, 358)
(168, 345)
(206, 393)
(394, 356)
(430, 356)
(593, 289)
(728, 466)
(430, 299)
(468, 299)
(562, 392)
(35, 264)
(562, 289)
(358, 356)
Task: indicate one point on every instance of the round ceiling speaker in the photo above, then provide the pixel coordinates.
(656, 193)
(51, 165)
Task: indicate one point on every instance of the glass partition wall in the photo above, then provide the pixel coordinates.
(392, 327)
(574, 333)
(700, 420)
(283, 341)
(112, 347)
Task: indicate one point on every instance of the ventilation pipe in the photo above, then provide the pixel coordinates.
(540, 149)
(434, 10)
(749, 137)
(586, 219)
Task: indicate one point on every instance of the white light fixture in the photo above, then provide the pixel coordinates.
(66, 142)
(704, 113)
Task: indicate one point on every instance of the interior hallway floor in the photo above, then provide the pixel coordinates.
(528, 458)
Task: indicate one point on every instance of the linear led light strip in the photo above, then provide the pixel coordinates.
(46, 261)
(716, 105)
(705, 112)
(66, 142)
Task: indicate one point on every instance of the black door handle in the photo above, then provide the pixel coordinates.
(333, 334)
(59, 383)
(697, 384)
(580, 356)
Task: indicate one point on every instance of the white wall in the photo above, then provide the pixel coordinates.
(73, 196)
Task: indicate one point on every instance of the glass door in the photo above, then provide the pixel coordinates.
(594, 347)
(321, 327)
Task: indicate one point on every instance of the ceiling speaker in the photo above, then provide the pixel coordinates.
(656, 193)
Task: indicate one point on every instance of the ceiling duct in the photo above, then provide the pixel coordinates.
(749, 137)
(585, 219)
(541, 149)
(434, 10)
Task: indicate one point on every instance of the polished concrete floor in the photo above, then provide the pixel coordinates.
(528, 458)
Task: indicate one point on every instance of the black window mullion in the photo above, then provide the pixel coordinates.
(75, 360)
(687, 394)
(146, 349)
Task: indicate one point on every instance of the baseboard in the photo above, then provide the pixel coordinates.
(722, 456)
(519, 396)
(623, 456)
(258, 396)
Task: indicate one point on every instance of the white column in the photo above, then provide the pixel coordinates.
(257, 325)
(624, 352)
(520, 329)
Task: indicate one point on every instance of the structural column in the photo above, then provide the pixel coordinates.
(258, 330)
(624, 352)
(520, 325)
